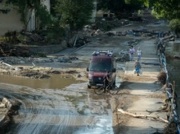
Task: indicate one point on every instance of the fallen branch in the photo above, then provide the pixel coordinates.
(143, 116)
(6, 64)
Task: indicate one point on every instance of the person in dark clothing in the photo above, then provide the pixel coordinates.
(159, 46)
(108, 78)
(162, 49)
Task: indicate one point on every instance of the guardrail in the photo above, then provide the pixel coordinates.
(171, 99)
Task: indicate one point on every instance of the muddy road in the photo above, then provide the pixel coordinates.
(69, 110)
(73, 109)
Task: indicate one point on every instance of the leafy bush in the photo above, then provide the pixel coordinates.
(44, 16)
(55, 33)
(74, 13)
(175, 25)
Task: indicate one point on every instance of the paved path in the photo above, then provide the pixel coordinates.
(144, 87)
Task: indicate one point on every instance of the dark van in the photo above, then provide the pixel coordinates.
(101, 63)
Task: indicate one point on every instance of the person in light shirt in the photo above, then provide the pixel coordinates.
(139, 54)
(131, 53)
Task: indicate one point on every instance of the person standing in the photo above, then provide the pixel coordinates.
(131, 53)
(159, 45)
(139, 54)
(162, 49)
(137, 67)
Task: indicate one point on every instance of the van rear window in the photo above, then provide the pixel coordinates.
(101, 64)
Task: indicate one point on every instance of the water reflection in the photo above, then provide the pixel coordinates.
(54, 82)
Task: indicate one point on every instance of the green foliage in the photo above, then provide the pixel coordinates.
(55, 33)
(103, 4)
(74, 13)
(44, 16)
(112, 5)
(148, 3)
(168, 9)
(175, 25)
(53, 4)
(120, 5)
(134, 4)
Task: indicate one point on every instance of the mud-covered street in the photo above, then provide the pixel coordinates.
(72, 108)
(69, 110)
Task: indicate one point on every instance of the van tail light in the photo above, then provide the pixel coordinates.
(90, 76)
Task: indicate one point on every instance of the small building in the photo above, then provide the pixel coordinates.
(10, 19)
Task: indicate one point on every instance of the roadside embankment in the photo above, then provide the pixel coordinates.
(173, 48)
(7, 110)
(170, 88)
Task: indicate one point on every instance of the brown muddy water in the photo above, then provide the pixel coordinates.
(54, 82)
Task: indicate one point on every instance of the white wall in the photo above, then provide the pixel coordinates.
(10, 21)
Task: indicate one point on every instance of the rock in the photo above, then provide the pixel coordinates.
(22, 62)
(2, 105)
(7, 103)
(78, 76)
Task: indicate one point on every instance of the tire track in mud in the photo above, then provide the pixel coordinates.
(71, 110)
(42, 117)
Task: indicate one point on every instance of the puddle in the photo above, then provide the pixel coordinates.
(54, 82)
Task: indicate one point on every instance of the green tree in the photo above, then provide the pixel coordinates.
(168, 9)
(103, 4)
(44, 16)
(175, 26)
(134, 4)
(120, 5)
(74, 13)
(112, 5)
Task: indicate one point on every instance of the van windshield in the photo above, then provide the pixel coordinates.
(102, 65)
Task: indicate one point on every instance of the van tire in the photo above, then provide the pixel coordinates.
(88, 86)
(114, 84)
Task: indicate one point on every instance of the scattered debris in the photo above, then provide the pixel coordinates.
(11, 109)
(71, 72)
(34, 74)
(13, 50)
(123, 56)
(162, 77)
